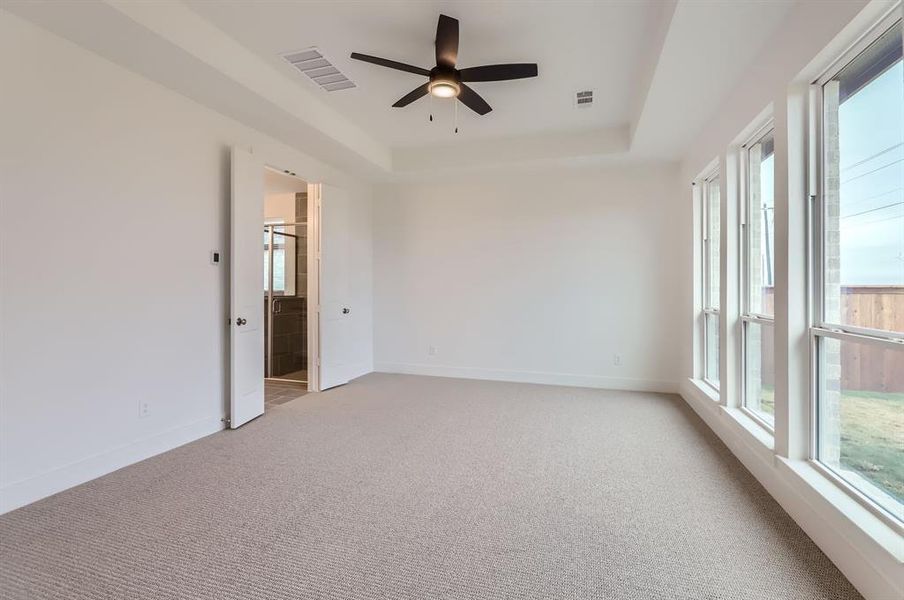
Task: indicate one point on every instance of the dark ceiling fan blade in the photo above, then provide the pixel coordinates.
(413, 95)
(499, 72)
(472, 100)
(446, 41)
(385, 62)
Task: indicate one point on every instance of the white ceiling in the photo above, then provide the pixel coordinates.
(281, 183)
(709, 47)
(577, 44)
(660, 68)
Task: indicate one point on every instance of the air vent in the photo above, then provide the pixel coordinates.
(320, 70)
(583, 98)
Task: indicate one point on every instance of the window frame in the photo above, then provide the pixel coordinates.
(746, 322)
(747, 316)
(706, 181)
(818, 328)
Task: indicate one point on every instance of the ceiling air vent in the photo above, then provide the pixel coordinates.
(583, 98)
(321, 71)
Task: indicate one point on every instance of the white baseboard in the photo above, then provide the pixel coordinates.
(566, 379)
(860, 545)
(26, 491)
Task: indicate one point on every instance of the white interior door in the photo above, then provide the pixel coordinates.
(336, 311)
(246, 279)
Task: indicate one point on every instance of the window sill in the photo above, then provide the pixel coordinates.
(752, 427)
(706, 389)
(828, 493)
(759, 419)
(756, 437)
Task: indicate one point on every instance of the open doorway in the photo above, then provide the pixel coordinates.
(318, 240)
(285, 288)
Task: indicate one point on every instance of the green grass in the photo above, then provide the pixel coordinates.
(767, 400)
(872, 436)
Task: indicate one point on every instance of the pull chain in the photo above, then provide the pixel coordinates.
(455, 100)
(431, 108)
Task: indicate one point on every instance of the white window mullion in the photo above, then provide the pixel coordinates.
(710, 263)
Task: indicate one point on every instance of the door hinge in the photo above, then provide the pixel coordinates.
(226, 420)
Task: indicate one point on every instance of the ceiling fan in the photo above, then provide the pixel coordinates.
(446, 81)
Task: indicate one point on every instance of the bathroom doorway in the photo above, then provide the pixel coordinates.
(285, 287)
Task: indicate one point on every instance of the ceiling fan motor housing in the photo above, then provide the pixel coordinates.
(445, 82)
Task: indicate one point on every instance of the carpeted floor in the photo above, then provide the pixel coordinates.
(425, 488)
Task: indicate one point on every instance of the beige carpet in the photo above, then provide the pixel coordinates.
(414, 487)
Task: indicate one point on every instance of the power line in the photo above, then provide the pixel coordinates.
(876, 155)
(873, 221)
(873, 171)
(873, 210)
(868, 198)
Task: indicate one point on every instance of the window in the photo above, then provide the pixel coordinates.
(858, 308)
(710, 269)
(757, 302)
(279, 237)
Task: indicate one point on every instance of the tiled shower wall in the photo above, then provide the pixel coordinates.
(301, 248)
(290, 348)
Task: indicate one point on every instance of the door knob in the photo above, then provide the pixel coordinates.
(345, 311)
(240, 321)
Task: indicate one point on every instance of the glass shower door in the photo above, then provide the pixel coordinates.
(285, 286)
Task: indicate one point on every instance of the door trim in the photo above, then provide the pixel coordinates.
(313, 287)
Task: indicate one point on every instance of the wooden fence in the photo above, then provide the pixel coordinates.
(866, 367)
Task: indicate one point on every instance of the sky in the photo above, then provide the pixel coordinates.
(767, 196)
(871, 130)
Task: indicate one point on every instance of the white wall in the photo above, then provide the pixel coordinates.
(538, 276)
(108, 295)
(280, 206)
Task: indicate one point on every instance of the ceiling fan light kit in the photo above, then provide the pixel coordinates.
(445, 80)
(444, 85)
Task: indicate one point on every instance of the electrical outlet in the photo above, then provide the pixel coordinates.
(431, 350)
(144, 408)
(616, 360)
